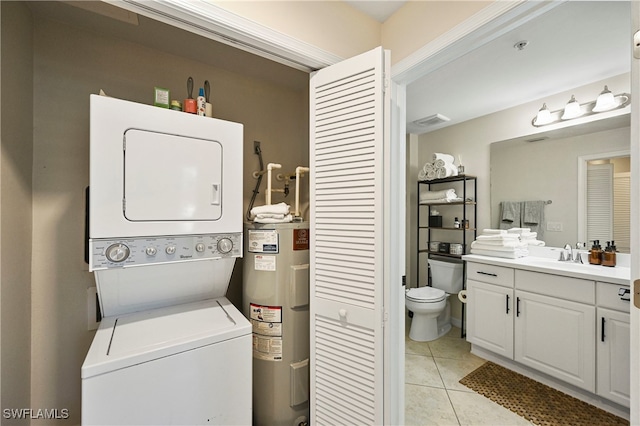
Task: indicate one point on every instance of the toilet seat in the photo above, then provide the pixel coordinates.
(426, 295)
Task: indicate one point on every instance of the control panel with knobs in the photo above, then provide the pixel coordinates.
(125, 252)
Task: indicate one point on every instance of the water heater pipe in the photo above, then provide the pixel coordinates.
(299, 171)
(270, 167)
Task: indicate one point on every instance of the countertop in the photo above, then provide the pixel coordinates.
(614, 275)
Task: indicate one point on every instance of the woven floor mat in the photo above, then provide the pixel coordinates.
(536, 402)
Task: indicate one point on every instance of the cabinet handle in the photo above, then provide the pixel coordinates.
(517, 306)
(625, 294)
(487, 273)
(602, 331)
(507, 304)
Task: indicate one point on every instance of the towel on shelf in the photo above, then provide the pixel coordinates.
(280, 208)
(427, 167)
(447, 158)
(422, 175)
(285, 219)
(505, 246)
(444, 194)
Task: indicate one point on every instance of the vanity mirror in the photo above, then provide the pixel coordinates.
(554, 166)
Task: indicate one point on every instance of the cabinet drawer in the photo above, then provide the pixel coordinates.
(573, 289)
(498, 275)
(608, 296)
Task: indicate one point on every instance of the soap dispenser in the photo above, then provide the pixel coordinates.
(595, 254)
(609, 255)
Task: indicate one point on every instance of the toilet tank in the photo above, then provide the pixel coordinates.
(446, 275)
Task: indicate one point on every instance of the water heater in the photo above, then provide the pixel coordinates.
(276, 301)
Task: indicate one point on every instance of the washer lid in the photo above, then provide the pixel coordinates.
(426, 294)
(141, 337)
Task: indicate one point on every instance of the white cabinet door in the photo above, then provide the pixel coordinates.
(556, 337)
(490, 317)
(613, 355)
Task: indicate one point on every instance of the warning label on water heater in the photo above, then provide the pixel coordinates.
(263, 241)
(266, 322)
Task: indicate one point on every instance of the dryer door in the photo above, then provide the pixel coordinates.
(171, 178)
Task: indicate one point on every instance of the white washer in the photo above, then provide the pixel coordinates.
(165, 228)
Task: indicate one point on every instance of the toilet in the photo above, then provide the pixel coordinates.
(430, 305)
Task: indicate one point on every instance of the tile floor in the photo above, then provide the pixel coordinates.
(433, 395)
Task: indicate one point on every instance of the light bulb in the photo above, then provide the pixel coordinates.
(605, 101)
(572, 109)
(544, 116)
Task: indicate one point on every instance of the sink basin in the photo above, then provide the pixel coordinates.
(556, 264)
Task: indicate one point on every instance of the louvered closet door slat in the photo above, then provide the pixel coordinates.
(346, 243)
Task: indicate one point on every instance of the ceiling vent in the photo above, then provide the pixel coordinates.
(537, 139)
(432, 120)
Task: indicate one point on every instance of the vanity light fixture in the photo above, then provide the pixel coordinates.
(606, 101)
(572, 109)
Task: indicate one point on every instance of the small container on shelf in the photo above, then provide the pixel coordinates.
(443, 247)
(455, 248)
(435, 221)
(434, 245)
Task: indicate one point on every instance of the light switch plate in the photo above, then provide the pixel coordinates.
(554, 226)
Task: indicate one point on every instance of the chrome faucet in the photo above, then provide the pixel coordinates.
(569, 257)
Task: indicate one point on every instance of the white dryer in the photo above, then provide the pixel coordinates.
(165, 228)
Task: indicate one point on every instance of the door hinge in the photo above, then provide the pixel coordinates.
(636, 293)
(636, 46)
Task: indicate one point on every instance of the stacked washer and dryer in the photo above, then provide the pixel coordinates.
(165, 229)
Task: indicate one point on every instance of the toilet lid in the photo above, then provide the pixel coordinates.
(426, 294)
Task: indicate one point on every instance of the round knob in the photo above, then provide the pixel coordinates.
(151, 251)
(342, 313)
(199, 247)
(117, 252)
(225, 245)
(170, 249)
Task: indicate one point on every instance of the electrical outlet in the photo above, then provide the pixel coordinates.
(554, 226)
(256, 147)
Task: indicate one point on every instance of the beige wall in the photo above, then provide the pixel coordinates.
(15, 205)
(344, 31)
(419, 22)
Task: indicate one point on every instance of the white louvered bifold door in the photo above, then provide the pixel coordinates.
(347, 241)
(600, 202)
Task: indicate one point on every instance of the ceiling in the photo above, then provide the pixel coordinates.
(379, 10)
(574, 44)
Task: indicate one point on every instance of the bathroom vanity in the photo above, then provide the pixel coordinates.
(562, 323)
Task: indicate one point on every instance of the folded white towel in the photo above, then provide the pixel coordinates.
(437, 195)
(498, 243)
(513, 246)
(447, 158)
(427, 167)
(518, 230)
(422, 175)
(503, 254)
(280, 208)
(494, 231)
(431, 174)
(285, 219)
(270, 216)
(497, 237)
(442, 200)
